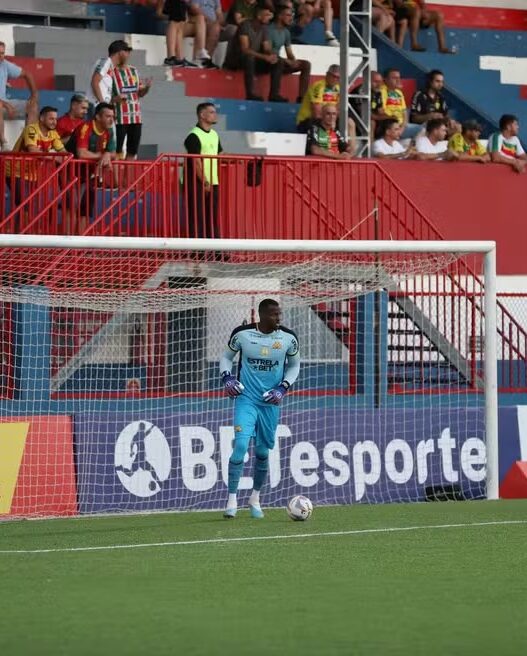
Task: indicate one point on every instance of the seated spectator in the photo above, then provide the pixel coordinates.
(15, 109)
(466, 145)
(281, 37)
(433, 146)
(184, 19)
(42, 136)
(73, 118)
(324, 139)
(376, 104)
(383, 17)
(308, 10)
(393, 101)
(415, 14)
(216, 29)
(429, 103)
(505, 146)
(251, 51)
(389, 146)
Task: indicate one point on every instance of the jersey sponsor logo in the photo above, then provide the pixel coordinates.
(142, 458)
(277, 345)
(260, 364)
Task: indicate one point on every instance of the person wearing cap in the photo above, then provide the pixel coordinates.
(101, 80)
(127, 91)
(73, 118)
(466, 144)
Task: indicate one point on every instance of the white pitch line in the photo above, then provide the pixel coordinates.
(257, 538)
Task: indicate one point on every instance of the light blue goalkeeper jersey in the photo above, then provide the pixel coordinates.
(263, 358)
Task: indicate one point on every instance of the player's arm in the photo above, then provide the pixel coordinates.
(275, 396)
(232, 385)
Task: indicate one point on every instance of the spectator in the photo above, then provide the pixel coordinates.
(429, 103)
(281, 37)
(76, 115)
(184, 19)
(308, 10)
(505, 147)
(323, 138)
(376, 105)
(389, 146)
(94, 141)
(15, 109)
(466, 145)
(101, 82)
(393, 102)
(414, 14)
(323, 92)
(127, 91)
(42, 136)
(242, 10)
(251, 51)
(433, 146)
(216, 29)
(383, 17)
(202, 180)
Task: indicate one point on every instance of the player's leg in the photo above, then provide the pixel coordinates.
(245, 417)
(268, 417)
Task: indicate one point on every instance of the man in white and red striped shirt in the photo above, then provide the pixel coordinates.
(127, 91)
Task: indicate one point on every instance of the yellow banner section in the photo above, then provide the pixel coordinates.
(12, 442)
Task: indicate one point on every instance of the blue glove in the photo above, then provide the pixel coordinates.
(232, 385)
(275, 396)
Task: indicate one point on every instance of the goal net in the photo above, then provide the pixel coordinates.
(111, 394)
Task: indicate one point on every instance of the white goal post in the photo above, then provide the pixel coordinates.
(402, 325)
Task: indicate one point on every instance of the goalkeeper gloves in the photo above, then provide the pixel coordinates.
(275, 396)
(232, 385)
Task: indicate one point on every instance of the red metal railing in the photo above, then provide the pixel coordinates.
(271, 197)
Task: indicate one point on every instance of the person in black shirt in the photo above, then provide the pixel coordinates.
(324, 139)
(251, 50)
(429, 103)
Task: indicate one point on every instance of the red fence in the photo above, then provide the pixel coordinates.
(271, 197)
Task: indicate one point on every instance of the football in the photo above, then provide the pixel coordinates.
(299, 508)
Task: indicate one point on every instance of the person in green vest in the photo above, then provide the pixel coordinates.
(201, 182)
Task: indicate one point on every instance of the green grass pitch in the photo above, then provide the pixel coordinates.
(442, 590)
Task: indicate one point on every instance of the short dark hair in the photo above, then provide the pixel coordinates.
(385, 125)
(264, 6)
(434, 123)
(102, 106)
(203, 106)
(77, 98)
(506, 120)
(390, 70)
(431, 75)
(280, 8)
(266, 304)
(47, 109)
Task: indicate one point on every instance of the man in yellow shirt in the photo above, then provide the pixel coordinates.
(323, 92)
(466, 145)
(41, 137)
(393, 102)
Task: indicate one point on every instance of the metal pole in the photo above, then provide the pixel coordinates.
(344, 67)
(491, 376)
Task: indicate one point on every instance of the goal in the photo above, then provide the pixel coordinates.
(111, 395)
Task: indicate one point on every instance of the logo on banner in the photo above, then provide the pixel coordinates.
(142, 458)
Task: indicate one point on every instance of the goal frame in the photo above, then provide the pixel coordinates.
(485, 248)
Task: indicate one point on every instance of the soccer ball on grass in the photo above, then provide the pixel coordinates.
(299, 508)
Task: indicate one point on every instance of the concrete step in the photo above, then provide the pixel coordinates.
(70, 52)
(66, 36)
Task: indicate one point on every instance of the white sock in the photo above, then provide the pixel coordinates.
(254, 499)
(232, 501)
(203, 54)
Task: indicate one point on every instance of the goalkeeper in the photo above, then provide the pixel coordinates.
(262, 383)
